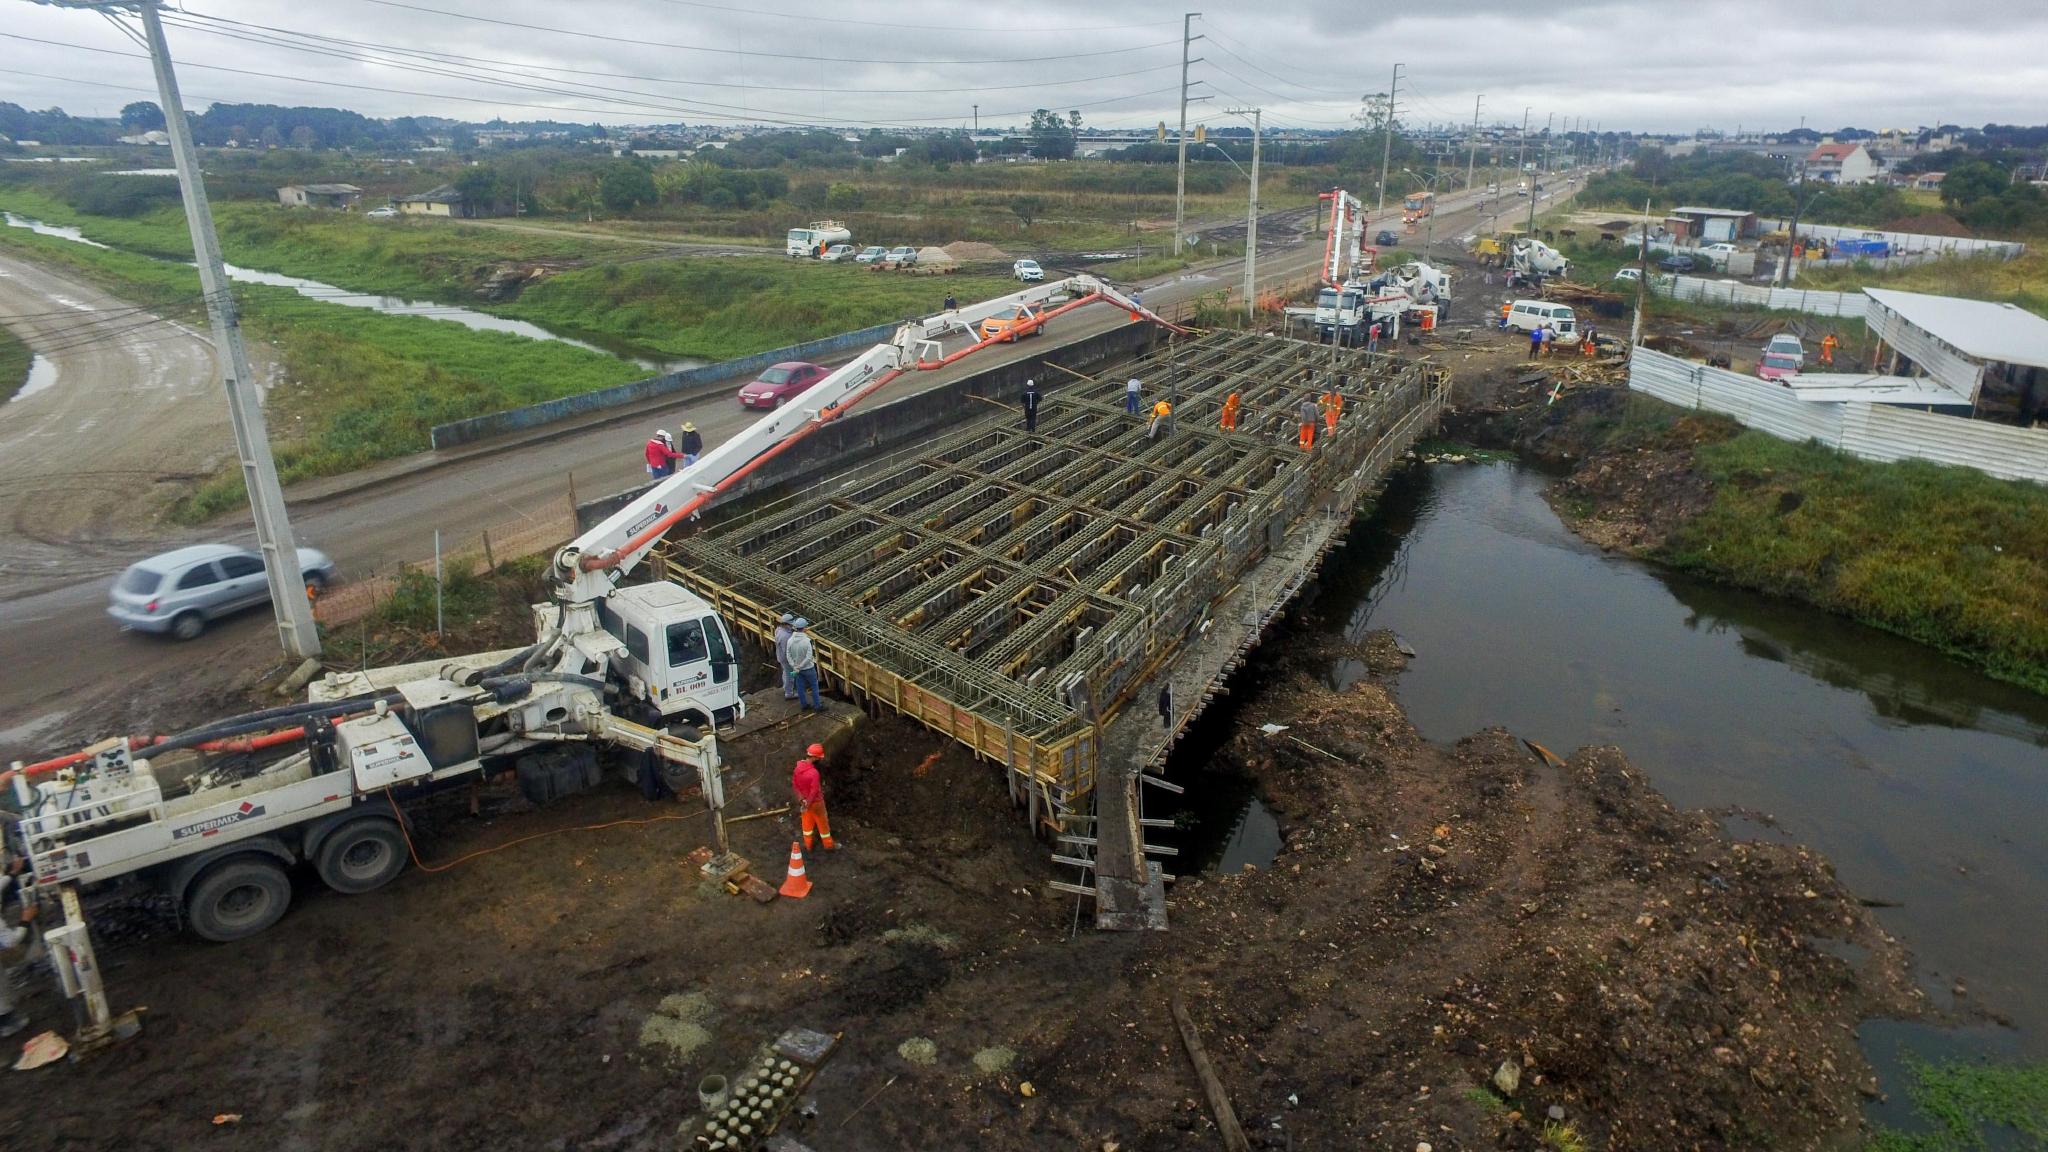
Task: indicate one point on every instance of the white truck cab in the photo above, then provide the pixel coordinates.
(678, 650)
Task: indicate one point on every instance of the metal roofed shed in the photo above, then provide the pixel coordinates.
(1843, 387)
(1715, 225)
(1991, 352)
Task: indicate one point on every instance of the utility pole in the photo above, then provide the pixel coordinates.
(1522, 147)
(295, 628)
(1529, 178)
(977, 119)
(1784, 276)
(1180, 186)
(1548, 121)
(1387, 136)
(1251, 220)
(1472, 154)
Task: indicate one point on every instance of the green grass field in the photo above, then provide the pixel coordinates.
(14, 362)
(1946, 556)
(360, 386)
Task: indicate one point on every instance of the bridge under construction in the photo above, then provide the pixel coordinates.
(1030, 593)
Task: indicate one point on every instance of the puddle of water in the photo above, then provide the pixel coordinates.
(42, 229)
(1894, 1046)
(389, 305)
(142, 172)
(1921, 780)
(42, 376)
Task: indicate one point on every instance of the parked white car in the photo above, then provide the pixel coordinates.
(1718, 254)
(1629, 274)
(384, 213)
(837, 252)
(1027, 270)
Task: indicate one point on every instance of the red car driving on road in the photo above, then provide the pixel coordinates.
(774, 387)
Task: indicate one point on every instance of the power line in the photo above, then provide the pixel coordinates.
(644, 43)
(259, 33)
(926, 28)
(1227, 40)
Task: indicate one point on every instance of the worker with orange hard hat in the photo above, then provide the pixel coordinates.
(810, 797)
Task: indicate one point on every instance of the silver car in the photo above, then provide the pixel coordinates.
(903, 254)
(181, 592)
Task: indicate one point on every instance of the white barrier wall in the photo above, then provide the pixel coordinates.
(1906, 242)
(1728, 292)
(1870, 431)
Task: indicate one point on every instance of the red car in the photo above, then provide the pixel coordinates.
(774, 387)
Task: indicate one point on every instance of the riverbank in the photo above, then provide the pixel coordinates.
(1948, 557)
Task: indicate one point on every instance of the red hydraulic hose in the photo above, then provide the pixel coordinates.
(251, 743)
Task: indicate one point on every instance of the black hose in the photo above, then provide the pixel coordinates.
(549, 677)
(517, 659)
(256, 722)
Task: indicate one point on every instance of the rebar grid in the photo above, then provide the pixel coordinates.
(1022, 581)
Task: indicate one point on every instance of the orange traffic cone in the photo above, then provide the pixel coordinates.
(797, 886)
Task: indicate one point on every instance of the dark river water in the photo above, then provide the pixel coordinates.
(1925, 783)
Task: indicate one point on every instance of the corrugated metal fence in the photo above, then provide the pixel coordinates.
(1731, 293)
(1871, 431)
(1908, 242)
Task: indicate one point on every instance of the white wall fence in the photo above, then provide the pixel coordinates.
(1906, 243)
(1733, 294)
(1871, 431)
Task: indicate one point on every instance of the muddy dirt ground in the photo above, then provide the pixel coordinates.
(1435, 913)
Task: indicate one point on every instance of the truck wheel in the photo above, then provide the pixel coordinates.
(362, 856)
(237, 898)
(188, 625)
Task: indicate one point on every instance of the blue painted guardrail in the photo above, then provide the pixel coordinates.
(548, 411)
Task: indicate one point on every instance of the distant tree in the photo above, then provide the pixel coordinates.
(482, 187)
(304, 137)
(844, 197)
(1973, 180)
(1027, 208)
(626, 185)
(810, 195)
(1051, 137)
(271, 137)
(142, 116)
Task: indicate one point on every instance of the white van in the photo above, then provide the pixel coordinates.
(1529, 315)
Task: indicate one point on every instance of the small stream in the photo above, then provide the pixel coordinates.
(1924, 782)
(389, 305)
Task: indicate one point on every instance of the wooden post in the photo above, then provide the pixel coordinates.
(1212, 1087)
(489, 560)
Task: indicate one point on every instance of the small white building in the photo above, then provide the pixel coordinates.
(1994, 354)
(342, 196)
(442, 201)
(1849, 163)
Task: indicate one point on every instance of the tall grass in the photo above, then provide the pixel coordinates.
(2022, 281)
(14, 363)
(1946, 556)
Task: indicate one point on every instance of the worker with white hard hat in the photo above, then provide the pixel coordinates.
(661, 455)
(783, 628)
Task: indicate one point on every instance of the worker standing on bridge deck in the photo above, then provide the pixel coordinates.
(661, 455)
(1162, 420)
(1131, 391)
(1030, 405)
(783, 627)
(1333, 406)
(1230, 406)
(693, 444)
(1308, 424)
(1828, 343)
(803, 664)
(810, 797)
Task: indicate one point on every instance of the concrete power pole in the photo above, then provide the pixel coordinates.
(1180, 186)
(1387, 136)
(1251, 220)
(295, 626)
(1472, 153)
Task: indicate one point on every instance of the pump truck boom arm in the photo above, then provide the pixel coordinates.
(1347, 236)
(590, 566)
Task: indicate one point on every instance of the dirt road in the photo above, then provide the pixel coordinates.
(72, 674)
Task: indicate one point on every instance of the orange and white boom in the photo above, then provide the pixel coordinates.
(1347, 235)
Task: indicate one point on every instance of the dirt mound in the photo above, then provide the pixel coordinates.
(966, 251)
(1929, 224)
(934, 257)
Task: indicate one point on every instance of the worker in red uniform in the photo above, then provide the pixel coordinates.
(661, 455)
(810, 797)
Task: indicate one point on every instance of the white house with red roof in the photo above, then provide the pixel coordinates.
(1849, 163)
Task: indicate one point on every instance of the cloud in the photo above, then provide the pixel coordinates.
(1653, 66)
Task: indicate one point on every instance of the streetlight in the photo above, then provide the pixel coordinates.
(1251, 217)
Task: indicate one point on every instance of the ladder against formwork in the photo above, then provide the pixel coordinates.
(1112, 859)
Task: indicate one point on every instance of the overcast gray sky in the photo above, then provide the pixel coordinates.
(1649, 65)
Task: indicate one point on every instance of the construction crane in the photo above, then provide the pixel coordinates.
(646, 673)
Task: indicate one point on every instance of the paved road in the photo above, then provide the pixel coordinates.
(59, 650)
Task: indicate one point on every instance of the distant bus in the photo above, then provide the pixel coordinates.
(1418, 205)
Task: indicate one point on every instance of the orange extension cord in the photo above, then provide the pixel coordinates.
(423, 866)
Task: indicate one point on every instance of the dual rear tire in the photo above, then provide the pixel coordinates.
(242, 895)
